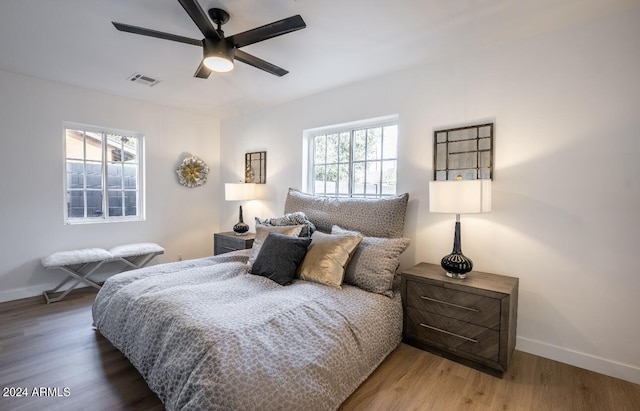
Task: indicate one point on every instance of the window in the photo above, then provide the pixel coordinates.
(103, 170)
(354, 160)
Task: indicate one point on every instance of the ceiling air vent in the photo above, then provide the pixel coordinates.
(142, 79)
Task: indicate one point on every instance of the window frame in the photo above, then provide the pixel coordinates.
(140, 177)
(350, 127)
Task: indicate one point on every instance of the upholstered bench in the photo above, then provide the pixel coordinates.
(80, 264)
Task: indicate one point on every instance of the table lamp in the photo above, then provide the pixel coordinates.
(459, 197)
(240, 192)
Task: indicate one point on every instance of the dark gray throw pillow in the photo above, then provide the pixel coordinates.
(279, 257)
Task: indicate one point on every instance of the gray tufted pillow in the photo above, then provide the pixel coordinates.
(373, 217)
(374, 263)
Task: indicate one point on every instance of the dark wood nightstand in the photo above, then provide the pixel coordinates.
(229, 241)
(471, 321)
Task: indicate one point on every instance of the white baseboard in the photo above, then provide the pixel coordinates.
(26, 292)
(579, 359)
(34, 290)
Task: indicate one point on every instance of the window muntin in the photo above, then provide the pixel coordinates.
(103, 175)
(354, 161)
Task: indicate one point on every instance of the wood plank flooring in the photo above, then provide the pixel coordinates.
(54, 347)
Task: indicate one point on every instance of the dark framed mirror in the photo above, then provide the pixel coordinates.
(255, 166)
(463, 151)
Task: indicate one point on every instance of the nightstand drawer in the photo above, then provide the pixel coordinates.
(226, 244)
(455, 335)
(473, 308)
(229, 241)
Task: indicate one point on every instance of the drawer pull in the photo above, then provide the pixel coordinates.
(448, 303)
(229, 248)
(448, 332)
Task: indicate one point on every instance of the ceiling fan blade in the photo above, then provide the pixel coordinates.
(259, 63)
(277, 28)
(155, 33)
(200, 18)
(203, 71)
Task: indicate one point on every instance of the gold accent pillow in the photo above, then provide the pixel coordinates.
(327, 258)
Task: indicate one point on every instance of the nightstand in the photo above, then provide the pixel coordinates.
(229, 241)
(471, 321)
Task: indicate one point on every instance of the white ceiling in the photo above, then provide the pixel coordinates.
(73, 42)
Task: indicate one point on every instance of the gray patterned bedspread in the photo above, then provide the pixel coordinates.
(206, 335)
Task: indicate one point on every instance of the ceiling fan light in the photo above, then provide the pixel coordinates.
(219, 64)
(218, 55)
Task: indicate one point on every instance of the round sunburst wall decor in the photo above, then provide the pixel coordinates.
(192, 172)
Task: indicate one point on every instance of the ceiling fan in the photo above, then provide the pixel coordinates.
(219, 51)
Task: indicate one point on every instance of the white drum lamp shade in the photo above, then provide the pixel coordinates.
(459, 197)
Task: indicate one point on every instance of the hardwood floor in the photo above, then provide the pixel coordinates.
(54, 347)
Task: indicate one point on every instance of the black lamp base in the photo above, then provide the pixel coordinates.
(241, 228)
(456, 264)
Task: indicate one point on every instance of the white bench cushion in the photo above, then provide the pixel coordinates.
(86, 255)
(131, 250)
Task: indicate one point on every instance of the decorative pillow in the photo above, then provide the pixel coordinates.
(279, 257)
(374, 217)
(295, 218)
(327, 258)
(374, 263)
(262, 231)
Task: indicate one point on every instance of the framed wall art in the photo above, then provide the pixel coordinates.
(463, 151)
(192, 172)
(255, 167)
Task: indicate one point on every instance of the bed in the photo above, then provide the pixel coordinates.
(206, 334)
